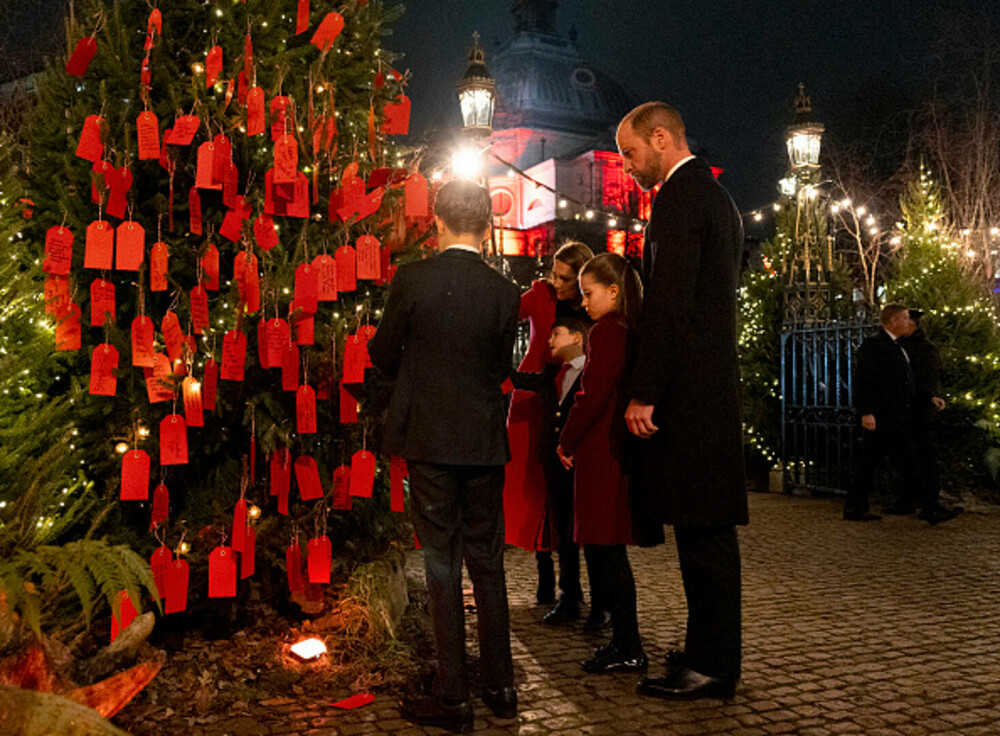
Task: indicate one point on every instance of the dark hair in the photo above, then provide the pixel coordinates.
(574, 254)
(465, 207)
(652, 115)
(611, 269)
(574, 323)
(889, 312)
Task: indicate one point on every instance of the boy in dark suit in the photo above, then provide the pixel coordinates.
(447, 339)
(556, 388)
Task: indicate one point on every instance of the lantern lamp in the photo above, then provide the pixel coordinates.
(477, 93)
(805, 138)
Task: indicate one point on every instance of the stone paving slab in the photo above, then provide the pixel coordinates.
(888, 627)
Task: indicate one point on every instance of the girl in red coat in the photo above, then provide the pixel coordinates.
(592, 441)
(525, 518)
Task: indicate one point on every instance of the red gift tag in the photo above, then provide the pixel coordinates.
(161, 506)
(119, 181)
(159, 259)
(99, 249)
(348, 407)
(249, 553)
(135, 476)
(286, 160)
(222, 157)
(148, 134)
(210, 267)
(346, 269)
(206, 159)
(281, 471)
(131, 251)
(305, 410)
(90, 146)
(81, 57)
(142, 342)
(302, 17)
(222, 573)
(342, 488)
(58, 250)
(397, 117)
(239, 530)
(213, 65)
(102, 302)
(415, 193)
(355, 701)
(306, 288)
(369, 257)
(362, 474)
(234, 355)
(173, 335)
(177, 587)
(355, 359)
(158, 385)
(103, 362)
(329, 28)
(57, 299)
(159, 564)
(293, 566)
(68, 331)
(209, 387)
(248, 55)
(397, 472)
(265, 232)
(184, 130)
(281, 121)
(371, 203)
(191, 391)
(255, 111)
(123, 613)
(319, 553)
(247, 280)
(199, 309)
(290, 368)
(194, 211)
(303, 327)
(173, 440)
(307, 478)
(278, 339)
(262, 343)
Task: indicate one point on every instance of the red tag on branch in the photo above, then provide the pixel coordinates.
(397, 117)
(102, 302)
(159, 265)
(305, 410)
(286, 160)
(56, 295)
(68, 330)
(397, 472)
(342, 488)
(222, 573)
(161, 506)
(131, 252)
(103, 362)
(173, 335)
(239, 530)
(159, 565)
(148, 135)
(173, 440)
(199, 309)
(319, 554)
(158, 386)
(369, 257)
(81, 57)
(100, 245)
(210, 267)
(194, 211)
(329, 28)
(302, 17)
(123, 616)
(213, 66)
(210, 385)
(142, 342)
(281, 471)
(265, 232)
(293, 566)
(191, 391)
(58, 250)
(234, 355)
(90, 146)
(255, 111)
(177, 587)
(306, 289)
(307, 478)
(135, 476)
(206, 160)
(249, 553)
(326, 276)
(415, 193)
(290, 369)
(355, 359)
(303, 327)
(281, 121)
(362, 474)
(346, 268)
(348, 406)
(278, 339)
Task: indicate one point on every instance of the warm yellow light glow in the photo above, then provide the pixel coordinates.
(309, 649)
(253, 511)
(121, 448)
(467, 163)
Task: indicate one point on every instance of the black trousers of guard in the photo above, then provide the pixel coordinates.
(710, 568)
(893, 441)
(926, 453)
(457, 512)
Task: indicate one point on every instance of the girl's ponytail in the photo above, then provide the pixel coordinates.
(610, 269)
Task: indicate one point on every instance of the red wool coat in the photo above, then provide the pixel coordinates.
(594, 436)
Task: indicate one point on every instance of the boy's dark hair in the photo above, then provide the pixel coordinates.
(574, 323)
(465, 206)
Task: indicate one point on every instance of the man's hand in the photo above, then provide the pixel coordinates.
(868, 422)
(939, 403)
(566, 461)
(639, 418)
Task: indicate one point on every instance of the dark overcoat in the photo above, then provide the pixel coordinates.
(884, 383)
(447, 338)
(691, 472)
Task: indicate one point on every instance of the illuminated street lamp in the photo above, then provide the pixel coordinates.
(477, 93)
(804, 138)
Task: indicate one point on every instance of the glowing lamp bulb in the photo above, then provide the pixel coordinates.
(308, 649)
(183, 548)
(253, 511)
(467, 163)
(144, 431)
(121, 448)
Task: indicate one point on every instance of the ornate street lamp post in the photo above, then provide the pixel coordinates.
(477, 93)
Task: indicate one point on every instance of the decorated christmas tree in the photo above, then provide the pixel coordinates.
(216, 196)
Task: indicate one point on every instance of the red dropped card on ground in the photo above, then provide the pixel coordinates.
(255, 111)
(199, 309)
(305, 410)
(222, 573)
(161, 506)
(177, 587)
(397, 472)
(135, 476)
(362, 473)
(191, 392)
(238, 532)
(173, 440)
(369, 257)
(90, 146)
(307, 478)
(213, 65)
(293, 566)
(148, 135)
(318, 559)
(159, 265)
(348, 406)
(68, 330)
(397, 117)
(265, 232)
(210, 267)
(342, 488)
(81, 57)
(103, 362)
(306, 288)
(329, 28)
(122, 615)
(58, 250)
(142, 342)
(290, 368)
(415, 194)
(173, 335)
(131, 251)
(99, 249)
(159, 564)
(249, 553)
(326, 277)
(346, 268)
(102, 302)
(355, 701)
(234, 356)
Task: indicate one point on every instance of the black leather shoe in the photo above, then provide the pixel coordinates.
(675, 660)
(860, 516)
(425, 710)
(686, 684)
(609, 659)
(597, 620)
(565, 611)
(502, 702)
(935, 516)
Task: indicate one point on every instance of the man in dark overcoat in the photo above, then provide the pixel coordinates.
(685, 393)
(447, 339)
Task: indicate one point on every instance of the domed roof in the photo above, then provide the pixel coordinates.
(543, 82)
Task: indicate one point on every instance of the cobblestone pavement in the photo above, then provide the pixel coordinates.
(890, 627)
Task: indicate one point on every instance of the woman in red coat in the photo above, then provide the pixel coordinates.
(592, 442)
(525, 517)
